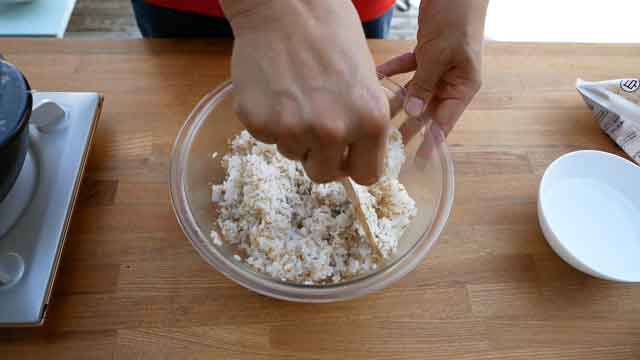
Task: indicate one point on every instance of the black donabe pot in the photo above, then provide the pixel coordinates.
(15, 110)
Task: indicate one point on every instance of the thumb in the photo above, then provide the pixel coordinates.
(423, 85)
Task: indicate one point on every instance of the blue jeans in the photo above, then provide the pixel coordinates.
(157, 21)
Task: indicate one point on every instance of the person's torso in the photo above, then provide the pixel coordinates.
(367, 9)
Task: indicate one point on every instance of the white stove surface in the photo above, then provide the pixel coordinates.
(32, 235)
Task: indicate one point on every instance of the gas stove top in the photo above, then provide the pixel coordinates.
(35, 215)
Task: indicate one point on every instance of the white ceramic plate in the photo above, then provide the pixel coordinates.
(589, 211)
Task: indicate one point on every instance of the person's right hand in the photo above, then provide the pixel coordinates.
(304, 79)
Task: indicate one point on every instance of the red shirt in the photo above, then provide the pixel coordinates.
(367, 9)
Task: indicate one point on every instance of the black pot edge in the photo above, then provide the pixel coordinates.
(19, 138)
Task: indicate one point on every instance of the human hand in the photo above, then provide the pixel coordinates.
(446, 61)
(304, 79)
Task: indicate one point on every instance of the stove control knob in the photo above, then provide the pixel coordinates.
(11, 269)
(48, 117)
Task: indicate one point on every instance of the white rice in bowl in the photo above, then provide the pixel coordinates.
(282, 224)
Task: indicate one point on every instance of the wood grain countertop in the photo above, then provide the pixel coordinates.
(131, 285)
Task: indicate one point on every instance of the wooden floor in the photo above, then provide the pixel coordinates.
(114, 19)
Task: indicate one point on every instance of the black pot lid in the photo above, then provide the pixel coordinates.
(15, 102)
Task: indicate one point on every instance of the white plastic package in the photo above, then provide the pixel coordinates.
(616, 106)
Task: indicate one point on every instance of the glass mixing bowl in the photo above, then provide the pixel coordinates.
(207, 131)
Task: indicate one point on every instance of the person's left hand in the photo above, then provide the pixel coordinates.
(446, 61)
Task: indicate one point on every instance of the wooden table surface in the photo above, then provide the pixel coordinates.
(131, 286)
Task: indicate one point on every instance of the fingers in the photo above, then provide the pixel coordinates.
(365, 161)
(325, 165)
(410, 128)
(446, 82)
(423, 85)
(447, 112)
(395, 103)
(294, 140)
(398, 65)
(455, 92)
(429, 68)
(420, 89)
(256, 119)
(293, 149)
(328, 135)
(335, 138)
(433, 137)
(432, 62)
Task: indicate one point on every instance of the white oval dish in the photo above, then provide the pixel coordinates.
(589, 211)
